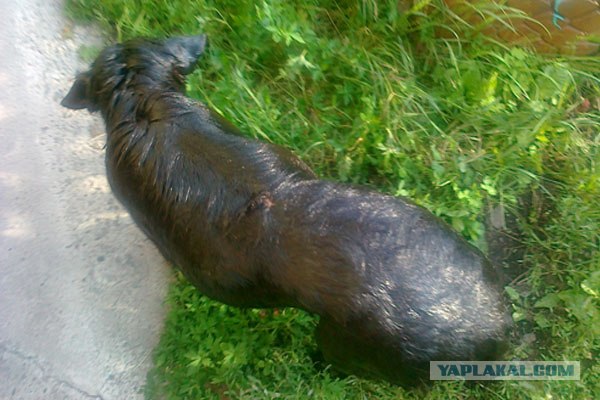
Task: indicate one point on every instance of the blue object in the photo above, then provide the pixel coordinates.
(556, 16)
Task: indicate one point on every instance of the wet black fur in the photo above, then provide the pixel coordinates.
(251, 225)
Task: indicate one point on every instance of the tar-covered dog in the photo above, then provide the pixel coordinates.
(251, 225)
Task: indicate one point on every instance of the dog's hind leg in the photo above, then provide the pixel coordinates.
(367, 356)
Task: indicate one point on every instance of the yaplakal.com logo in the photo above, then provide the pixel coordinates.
(504, 370)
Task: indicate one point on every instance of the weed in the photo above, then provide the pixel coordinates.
(370, 95)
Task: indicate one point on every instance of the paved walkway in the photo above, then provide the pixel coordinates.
(81, 289)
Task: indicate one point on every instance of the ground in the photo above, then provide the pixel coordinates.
(81, 289)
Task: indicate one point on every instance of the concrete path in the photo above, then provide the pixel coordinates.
(81, 289)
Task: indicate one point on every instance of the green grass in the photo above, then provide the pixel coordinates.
(368, 95)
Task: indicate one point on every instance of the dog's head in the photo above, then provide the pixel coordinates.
(159, 63)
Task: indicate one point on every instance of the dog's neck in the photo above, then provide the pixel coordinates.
(132, 93)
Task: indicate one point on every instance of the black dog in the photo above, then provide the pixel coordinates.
(252, 226)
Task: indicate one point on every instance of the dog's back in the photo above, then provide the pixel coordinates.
(250, 225)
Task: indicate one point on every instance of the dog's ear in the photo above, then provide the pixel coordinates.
(79, 96)
(187, 50)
